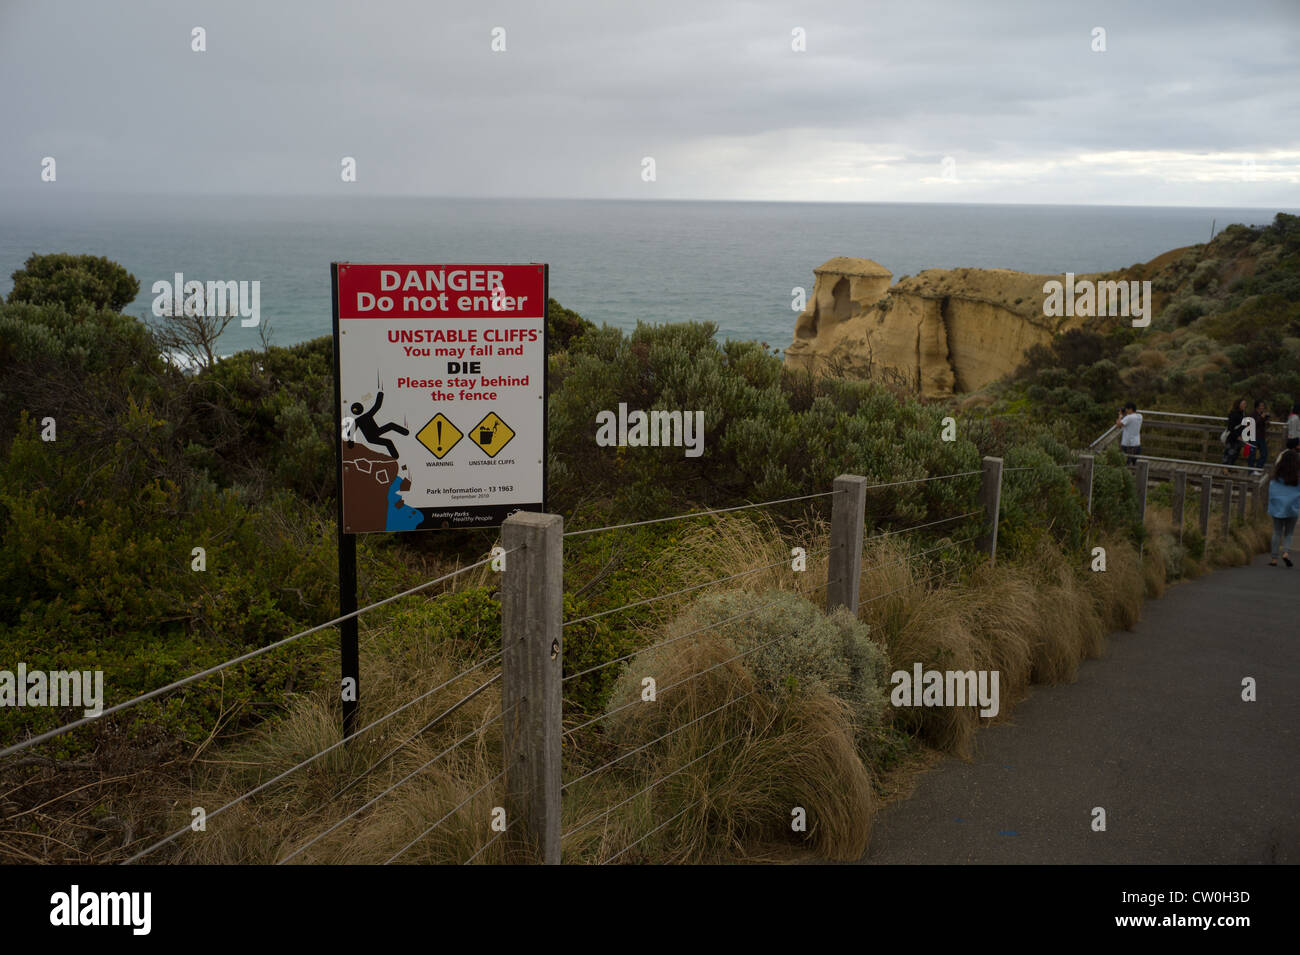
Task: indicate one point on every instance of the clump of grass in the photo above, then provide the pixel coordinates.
(1005, 612)
(739, 744)
(929, 627)
(1117, 593)
(750, 545)
(269, 826)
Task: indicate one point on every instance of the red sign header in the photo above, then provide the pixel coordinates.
(441, 291)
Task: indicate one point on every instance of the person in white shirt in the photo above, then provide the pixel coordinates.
(1130, 438)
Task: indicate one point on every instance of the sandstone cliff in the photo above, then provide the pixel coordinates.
(944, 331)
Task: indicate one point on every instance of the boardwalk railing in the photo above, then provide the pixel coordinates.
(1191, 441)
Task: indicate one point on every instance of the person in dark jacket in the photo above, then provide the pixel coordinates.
(1259, 450)
(1232, 441)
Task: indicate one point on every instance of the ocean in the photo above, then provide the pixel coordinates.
(613, 261)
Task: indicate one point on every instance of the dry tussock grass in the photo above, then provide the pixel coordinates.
(733, 764)
(269, 826)
(717, 763)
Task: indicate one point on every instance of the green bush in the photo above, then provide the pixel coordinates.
(794, 651)
(75, 282)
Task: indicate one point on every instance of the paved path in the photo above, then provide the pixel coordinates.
(1156, 733)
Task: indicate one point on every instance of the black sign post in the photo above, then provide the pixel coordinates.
(349, 653)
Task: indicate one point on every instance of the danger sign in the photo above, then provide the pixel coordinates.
(431, 362)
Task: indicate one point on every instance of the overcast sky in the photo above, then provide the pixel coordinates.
(1185, 97)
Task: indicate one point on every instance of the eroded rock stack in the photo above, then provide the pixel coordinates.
(944, 331)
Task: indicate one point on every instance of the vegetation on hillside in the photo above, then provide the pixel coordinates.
(1230, 330)
(98, 526)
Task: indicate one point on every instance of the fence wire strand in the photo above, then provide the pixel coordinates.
(915, 583)
(411, 775)
(742, 507)
(418, 733)
(491, 782)
(667, 822)
(682, 517)
(619, 759)
(676, 593)
(662, 779)
(483, 848)
(333, 746)
(19, 747)
(917, 527)
(698, 673)
(664, 643)
(934, 477)
(711, 626)
(904, 559)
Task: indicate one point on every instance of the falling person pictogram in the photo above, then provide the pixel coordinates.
(372, 432)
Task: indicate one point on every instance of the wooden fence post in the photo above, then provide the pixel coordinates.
(991, 500)
(1142, 473)
(1227, 508)
(1180, 501)
(1207, 488)
(1241, 501)
(532, 623)
(1086, 465)
(848, 518)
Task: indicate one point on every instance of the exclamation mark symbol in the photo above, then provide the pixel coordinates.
(439, 437)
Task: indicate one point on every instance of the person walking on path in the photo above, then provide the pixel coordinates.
(1130, 438)
(1293, 423)
(1259, 450)
(1284, 504)
(1232, 436)
(1292, 444)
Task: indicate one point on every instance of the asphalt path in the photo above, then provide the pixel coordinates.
(1156, 733)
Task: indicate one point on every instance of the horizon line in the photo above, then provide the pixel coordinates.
(481, 198)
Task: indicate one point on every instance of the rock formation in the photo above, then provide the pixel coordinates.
(944, 331)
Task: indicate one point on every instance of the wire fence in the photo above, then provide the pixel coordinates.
(527, 794)
(636, 764)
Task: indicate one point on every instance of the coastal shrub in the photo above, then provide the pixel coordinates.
(1114, 491)
(563, 326)
(75, 282)
(764, 438)
(748, 741)
(98, 579)
(1040, 500)
(791, 648)
(77, 367)
(268, 418)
